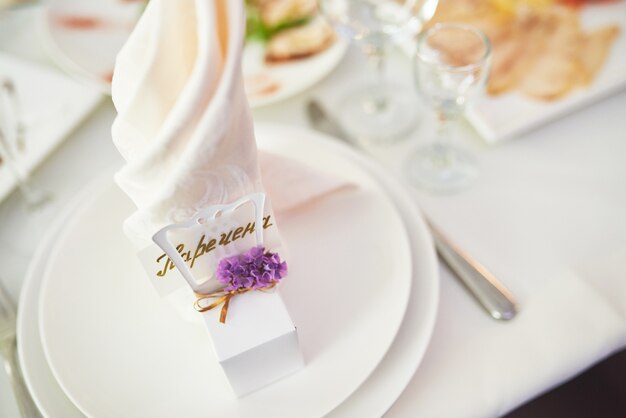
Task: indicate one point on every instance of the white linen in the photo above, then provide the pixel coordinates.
(292, 185)
(578, 318)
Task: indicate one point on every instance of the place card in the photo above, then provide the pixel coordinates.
(212, 234)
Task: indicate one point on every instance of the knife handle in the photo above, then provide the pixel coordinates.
(487, 290)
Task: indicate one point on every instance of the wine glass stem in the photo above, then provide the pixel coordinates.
(443, 128)
(375, 48)
(443, 141)
(32, 196)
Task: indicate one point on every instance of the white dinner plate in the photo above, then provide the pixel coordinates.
(84, 37)
(103, 326)
(372, 398)
(270, 83)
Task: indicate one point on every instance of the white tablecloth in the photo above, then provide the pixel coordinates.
(547, 217)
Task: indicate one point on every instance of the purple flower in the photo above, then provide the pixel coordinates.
(254, 269)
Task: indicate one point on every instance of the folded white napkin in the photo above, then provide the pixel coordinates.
(183, 123)
(184, 126)
(577, 319)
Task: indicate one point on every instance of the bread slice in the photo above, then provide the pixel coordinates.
(300, 42)
(276, 13)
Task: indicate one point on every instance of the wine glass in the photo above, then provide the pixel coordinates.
(12, 140)
(378, 111)
(451, 65)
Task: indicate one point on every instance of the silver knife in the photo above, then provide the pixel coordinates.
(487, 290)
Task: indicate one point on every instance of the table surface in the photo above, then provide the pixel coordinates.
(543, 202)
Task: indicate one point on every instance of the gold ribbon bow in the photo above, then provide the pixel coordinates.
(223, 298)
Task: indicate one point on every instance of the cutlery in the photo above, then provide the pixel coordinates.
(20, 130)
(492, 295)
(33, 197)
(8, 351)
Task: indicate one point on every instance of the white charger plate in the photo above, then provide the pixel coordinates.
(89, 52)
(44, 389)
(103, 327)
(372, 398)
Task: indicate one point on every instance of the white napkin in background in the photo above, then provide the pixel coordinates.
(292, 185)
(476, 376)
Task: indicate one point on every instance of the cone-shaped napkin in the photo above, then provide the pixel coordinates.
(183, 124)
(186, 132)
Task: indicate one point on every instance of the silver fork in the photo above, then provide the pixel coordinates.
(8, 351)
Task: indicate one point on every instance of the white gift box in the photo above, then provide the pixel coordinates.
(258, 344)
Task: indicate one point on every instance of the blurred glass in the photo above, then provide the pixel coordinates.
(378, 111)
(451, 65)
(13, 142)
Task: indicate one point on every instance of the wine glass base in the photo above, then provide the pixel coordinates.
(378, 121)
(442, 169)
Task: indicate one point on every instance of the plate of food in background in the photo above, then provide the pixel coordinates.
(550, 58)
(289, 46)
(83, 37)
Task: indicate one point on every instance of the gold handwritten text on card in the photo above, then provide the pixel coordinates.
(206, 245)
